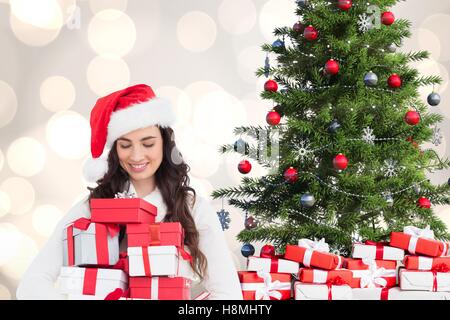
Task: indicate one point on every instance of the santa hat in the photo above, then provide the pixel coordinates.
(119, 113)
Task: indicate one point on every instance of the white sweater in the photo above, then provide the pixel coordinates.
(221, 279)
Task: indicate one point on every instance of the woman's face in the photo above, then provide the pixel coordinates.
(141, 152)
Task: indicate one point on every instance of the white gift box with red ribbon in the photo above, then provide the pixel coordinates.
(272, 265)
(397, 294)
(308, 291)
(377, 251)
(75, 281)
(433, 280)
(159, 261)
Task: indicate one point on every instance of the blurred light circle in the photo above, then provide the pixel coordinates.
(197, 90)
(80, 198)
(45, 14)
(5, 203)
(32, 35)
(24, 254)
(45, 218)
(26, 156)
(249, 60)
(100, 5)
(106, 74)
(68, 134)
(4, 293)
(276, 14)
(439, 24)
(21, 194)
(57, 93)
(216, 115)
(201, 186)
(180, 100)
(184, 137)
(112, 32)
(237, 17)
(9, 239)
(256, 110)
(196, 31)
(8, 104)
(203, 160)
(422, 39)
(444, 215)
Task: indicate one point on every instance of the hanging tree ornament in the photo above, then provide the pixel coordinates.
(307, 200)
(345, 4)
(332, 67)
(271, 86)
(302, 3)
(437, 136)
(395, 81)
(412, 117)
(224, 218)
(250, 223)
(267, 67)
(333, 127)
(279, 108)
(365, 23)
(392, 47)
(310, 33)
(434, 99)
(278, 44)
(247, 250)
(240, 146)
(368, 136)
(291, 175)
(416, 188)
(267, 251)
(298, 27)
(389, 199)
(340, 162)
(387, 18)
(244, 166)
(273, 118)
(424, 203)
(370, 79)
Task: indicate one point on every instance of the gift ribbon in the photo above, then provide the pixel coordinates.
(379, 248)
(336, 281)
(274, 265)
(70, 246)
(374, 278)
(146, 259)
(415, 234)
(425, 263)
(90, 281)
(442, 267)
(269, 289)
(310, 247)
(122, 264)
(384, 294)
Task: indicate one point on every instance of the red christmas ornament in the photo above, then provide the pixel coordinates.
(345, 4)
(271, 85)
(291, 175)
(340, 162)
(395, 81)
(424, 203)
(387, 18)
(310, 33)
(332, 67)
(267, 251)
(298, 27)
(412, 118)
(273, 118)
(244, 167)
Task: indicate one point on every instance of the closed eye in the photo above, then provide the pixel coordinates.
(145, 145)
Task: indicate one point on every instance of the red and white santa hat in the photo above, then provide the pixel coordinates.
(117, 114)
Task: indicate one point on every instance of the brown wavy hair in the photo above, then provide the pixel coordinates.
(173, 182)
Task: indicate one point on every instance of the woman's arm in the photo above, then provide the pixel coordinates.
(38, 282)
(221, 279)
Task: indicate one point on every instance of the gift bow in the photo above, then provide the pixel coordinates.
(84, 223)
(419, 233)
(270, 289)
(336, 281)
(320, 245)
(375, 275)
(442, 267)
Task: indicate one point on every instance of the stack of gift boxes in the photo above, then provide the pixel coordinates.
(155, 265)
(376, 271)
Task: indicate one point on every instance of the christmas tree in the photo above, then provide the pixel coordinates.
(343, 152)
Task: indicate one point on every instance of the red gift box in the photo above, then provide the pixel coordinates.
(372, 273)
(265, 286)
(313, 258)
(155, 234)
(122, 210)
(160, 288)
(418, 245)
(324, 276)
(425, 263)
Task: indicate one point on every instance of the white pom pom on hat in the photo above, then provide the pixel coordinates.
(117, 114)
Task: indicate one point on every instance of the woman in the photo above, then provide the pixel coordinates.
(134, 125)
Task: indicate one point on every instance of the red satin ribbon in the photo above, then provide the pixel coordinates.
(146, 258)
(90, 281)
(122, 264)
(336, 281)
(379, 248)
(442, 267)
(273, 265)
(384, 294)
(70, 247)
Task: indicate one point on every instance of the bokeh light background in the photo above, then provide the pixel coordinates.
(59, 56)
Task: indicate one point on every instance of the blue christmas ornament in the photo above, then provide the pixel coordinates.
(267, 67)
(224, 218)
(278, 44)
(247, 250)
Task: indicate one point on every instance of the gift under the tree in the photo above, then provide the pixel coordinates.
(318, 276)
(160, 288)
(377, 250)
(91, 281)
(155, 234)
(313, 254)
(122, 211)
(87, 243)
(265, 286)
(272, 265)
(419, 241)
(437, 279)
(159, 261)
(330, 291)
(425, 263)
(368, 273)
(397, 294)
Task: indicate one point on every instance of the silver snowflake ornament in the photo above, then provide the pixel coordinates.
(309, 114)
(364, 22)
(224, 218)
(390, 168)
(368, 135)
(437, 136)
(303, 149)
(360, 167)
(356, 237)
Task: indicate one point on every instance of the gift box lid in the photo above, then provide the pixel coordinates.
(164, 227)
(102, 274)
(358, 264)
(320, 291)
(137, 251)
(119, 203)
(248, 276)
(163, 282)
